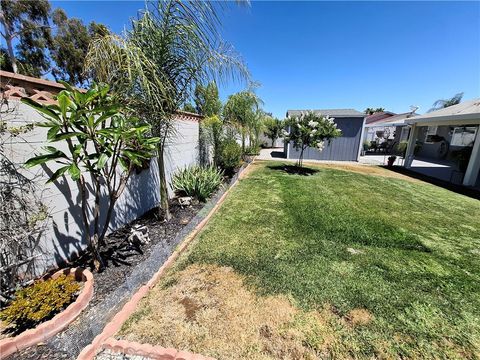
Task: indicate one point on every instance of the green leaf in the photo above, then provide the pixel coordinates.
(67, 86)
(58, 174)
(42, 109)
(42, 159)
(53, 132)
(68, 136)
(63, 102)
(102, 161)
(74, 171)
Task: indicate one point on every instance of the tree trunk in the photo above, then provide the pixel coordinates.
(300, 158)
(163, 183)
(8, 40)
(243, 141)
(92, 240)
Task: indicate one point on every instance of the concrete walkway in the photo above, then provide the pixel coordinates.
(271, 154)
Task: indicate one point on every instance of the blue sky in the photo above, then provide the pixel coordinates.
(310, 55)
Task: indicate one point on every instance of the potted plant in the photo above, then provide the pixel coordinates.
(391, 160)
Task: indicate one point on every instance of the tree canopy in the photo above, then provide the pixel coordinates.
(443, 103)
(27, 22)
(207, 100)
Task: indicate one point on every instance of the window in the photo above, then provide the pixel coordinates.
(463, 136)
(404, 133)
(431, 132)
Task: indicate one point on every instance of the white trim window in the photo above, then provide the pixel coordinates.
(463, 136)
(431, 131)
(404, 134)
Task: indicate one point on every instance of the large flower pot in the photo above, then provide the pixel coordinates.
(49, 328)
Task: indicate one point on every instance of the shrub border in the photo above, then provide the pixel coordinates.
(105, 339)
(46, 330)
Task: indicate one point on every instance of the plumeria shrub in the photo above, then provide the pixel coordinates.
(97, 138)
(310, 130)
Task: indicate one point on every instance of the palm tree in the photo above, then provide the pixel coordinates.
(443, 103)
(240, 111)
(171, 47)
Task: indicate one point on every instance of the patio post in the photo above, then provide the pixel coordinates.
(411, 146)
(473, 167)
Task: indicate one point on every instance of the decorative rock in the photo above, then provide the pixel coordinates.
(185, 201)
(139, 235)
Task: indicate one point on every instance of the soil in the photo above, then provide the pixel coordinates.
(120, 257)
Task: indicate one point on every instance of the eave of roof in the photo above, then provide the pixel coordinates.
(466, 112)
(30, 79)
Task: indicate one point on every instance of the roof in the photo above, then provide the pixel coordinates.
(17, 86)
(395, 120)
(378, 116)
(466, 111)
(337, 113)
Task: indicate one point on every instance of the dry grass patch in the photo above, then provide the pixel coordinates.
(358, 317)
(207, 309)
(367, 170)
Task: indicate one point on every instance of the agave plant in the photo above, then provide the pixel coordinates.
(196, 181)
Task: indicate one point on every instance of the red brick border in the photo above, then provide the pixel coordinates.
(150, 351)
(105, 338)
(59, 322)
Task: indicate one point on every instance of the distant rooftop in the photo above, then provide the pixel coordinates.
(378, 116)
(336, 113)
(395, 120)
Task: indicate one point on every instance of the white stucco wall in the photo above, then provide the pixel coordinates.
(65, 235)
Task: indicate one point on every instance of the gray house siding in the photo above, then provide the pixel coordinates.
(343, 148)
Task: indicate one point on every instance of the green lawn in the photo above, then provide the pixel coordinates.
(396, 263)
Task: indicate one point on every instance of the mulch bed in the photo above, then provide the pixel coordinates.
(121, 259)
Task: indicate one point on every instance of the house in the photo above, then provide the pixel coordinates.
(392, 129)
(22, 138)
(344, 148)
(445, 144)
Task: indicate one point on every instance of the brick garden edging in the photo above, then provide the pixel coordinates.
(59, 322)
(105, 339)
(150, 351)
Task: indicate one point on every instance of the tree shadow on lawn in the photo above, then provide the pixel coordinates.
(293, 169)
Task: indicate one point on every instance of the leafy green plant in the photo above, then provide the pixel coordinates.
(366, 145)
(197, 181)
(213, 127)
(273, 128)
(230, 155)
(40, 302)
(103, 141)
(241, 111)
(401, 148)
(252, 150)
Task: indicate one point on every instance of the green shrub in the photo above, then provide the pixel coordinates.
(197, 181)
(252, 150)
(402, 148)
(40, 302)
(230, 155)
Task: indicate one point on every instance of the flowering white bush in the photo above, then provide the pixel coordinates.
(310, 130)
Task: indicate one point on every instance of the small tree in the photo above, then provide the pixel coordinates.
(103, 142)
(213, 129)
(273, 129)
(310, 130)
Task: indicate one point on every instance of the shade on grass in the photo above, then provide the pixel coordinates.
(405, 251)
